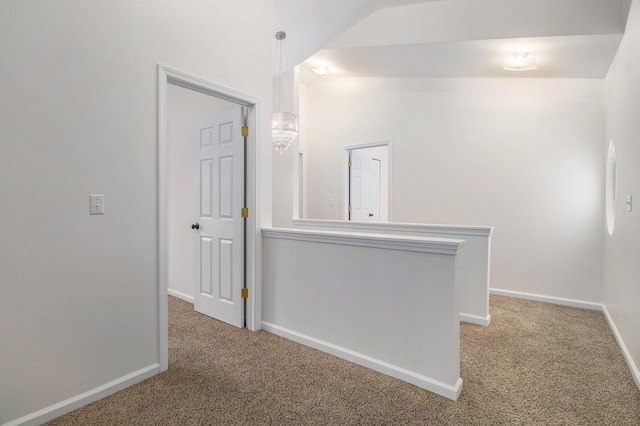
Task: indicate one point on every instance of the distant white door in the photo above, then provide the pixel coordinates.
(220, 227)
(364, 187)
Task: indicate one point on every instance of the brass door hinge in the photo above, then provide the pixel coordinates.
(349, 209)
(244, 212)
(244, 293)
(349, 163)
(244, 131)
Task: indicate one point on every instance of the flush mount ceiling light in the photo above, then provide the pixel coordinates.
(284, 125)
(324, 72)
(521, 61)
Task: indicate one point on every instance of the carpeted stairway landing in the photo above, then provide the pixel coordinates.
(536, 364)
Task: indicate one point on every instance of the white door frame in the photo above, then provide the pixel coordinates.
(345, 173)
(253, 243)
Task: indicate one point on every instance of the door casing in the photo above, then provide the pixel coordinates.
(253, 251)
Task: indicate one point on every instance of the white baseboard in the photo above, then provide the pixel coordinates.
(182, 296)
(435, 386)
(635, 372)
(83, 399)
(475, 319)
(548, 299)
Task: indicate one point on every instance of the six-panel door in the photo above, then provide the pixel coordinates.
(220, 171)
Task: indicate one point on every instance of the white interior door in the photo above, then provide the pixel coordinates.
(220, 227)
(364, 186)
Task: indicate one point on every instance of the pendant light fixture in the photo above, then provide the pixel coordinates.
(284, 125)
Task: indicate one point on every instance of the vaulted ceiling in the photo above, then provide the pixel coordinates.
(452, 38)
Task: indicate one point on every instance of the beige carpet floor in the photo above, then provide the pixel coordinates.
(536, 364)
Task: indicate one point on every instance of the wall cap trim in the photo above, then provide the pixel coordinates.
(382, 241)
(485, 231)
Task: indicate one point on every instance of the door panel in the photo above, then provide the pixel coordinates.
(225, 187)
(221, 232)
(226, 270)
(206, 202)
(206, 256)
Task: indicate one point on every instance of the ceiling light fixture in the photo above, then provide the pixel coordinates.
(520, 62)
(324, 72)
(284, 125)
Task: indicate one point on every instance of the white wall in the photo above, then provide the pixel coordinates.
(387, 302)
(523, 155)
(472, 268)
(184, 107)
(622, 265)
(79, 108)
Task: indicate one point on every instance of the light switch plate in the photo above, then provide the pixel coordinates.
(96, 204)
(629, 203)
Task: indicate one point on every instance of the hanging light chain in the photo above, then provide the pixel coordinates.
(280, 47)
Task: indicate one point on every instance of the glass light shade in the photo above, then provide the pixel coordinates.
(284, 129)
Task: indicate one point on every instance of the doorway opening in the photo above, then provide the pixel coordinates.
(367, 182)
(184, 173)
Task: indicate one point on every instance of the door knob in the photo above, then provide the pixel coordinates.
(370, 214)
(195, 226)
